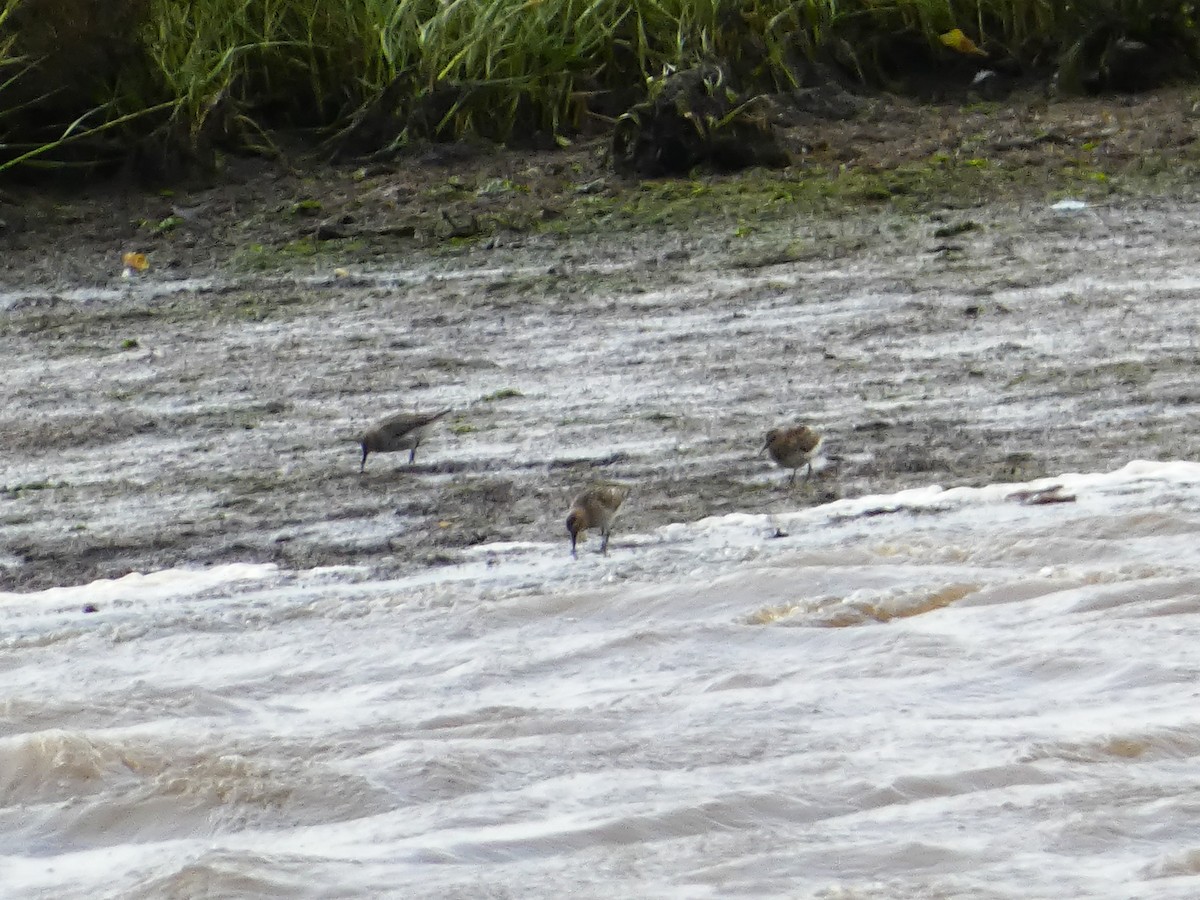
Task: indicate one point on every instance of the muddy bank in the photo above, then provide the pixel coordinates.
(216, 425)
(161, 421)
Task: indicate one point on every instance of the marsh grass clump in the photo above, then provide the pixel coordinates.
(161, 85)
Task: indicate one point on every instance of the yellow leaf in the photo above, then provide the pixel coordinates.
(957, 41)
(135, 261)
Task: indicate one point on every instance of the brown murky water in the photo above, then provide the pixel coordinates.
(936, 693)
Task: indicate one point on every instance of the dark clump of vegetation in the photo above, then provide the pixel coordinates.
(692, 118)
(160, 86)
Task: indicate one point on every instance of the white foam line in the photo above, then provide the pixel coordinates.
(520, 565)
(145, 588)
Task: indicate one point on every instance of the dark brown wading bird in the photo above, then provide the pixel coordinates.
(403, 431)
(596, 507)
(792, 448)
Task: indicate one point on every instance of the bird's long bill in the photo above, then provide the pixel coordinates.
(764, 449)
(573, 536)
(365, 451)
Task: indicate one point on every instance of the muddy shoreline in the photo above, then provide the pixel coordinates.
(204, 411)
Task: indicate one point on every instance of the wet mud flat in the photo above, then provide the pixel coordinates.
(156, 425)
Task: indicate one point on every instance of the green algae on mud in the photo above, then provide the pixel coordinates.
(894, 156)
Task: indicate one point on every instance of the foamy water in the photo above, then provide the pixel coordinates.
(962, 693)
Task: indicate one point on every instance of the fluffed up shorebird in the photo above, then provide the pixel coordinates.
(403, 431)
(596, 507)
(792, 447)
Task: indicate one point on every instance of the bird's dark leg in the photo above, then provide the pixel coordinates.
(573, 553)
(808, 471)
(412, 456)
(604, 542)
(792, 480)
(363, 464)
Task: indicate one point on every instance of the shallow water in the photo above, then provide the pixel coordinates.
(925, 694)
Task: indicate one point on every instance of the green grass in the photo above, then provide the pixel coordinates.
(84, 84)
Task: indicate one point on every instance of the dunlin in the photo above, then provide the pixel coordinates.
(596, 507)
(404, 431)
(792, 448)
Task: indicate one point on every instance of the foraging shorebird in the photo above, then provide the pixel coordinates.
(403, 431)
(792, 447)
(596, 507)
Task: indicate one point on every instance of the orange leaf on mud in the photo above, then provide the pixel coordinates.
(956, 40)
(135, 261)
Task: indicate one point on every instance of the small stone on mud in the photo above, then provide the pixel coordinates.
(407, 230)
(91, 608)
(948, 231)
(330, 231)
